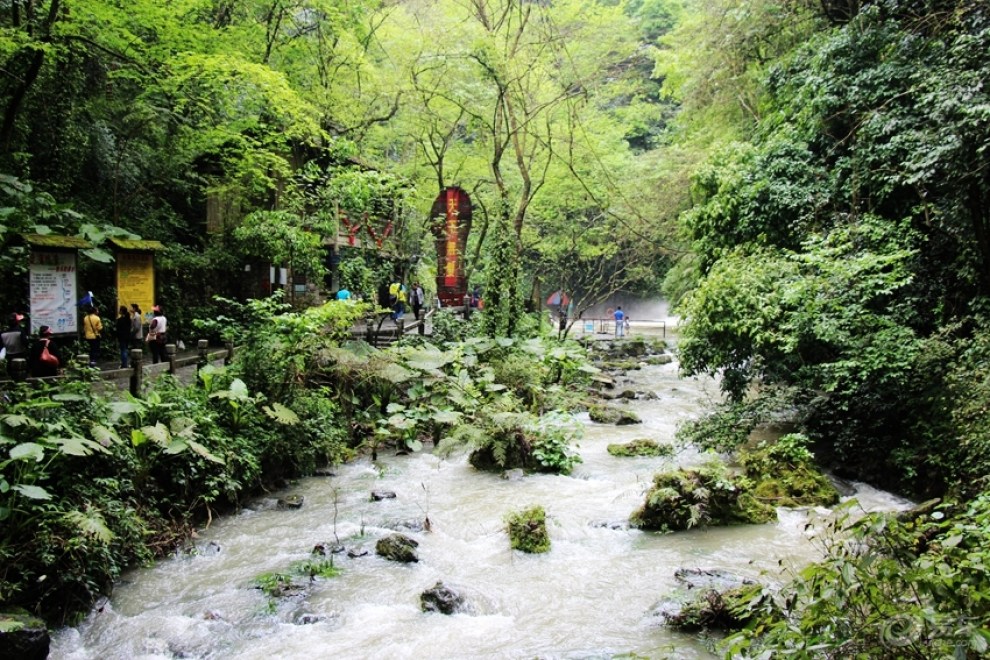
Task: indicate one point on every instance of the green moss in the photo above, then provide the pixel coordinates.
(641, 447)
(784, 474)
(716, 610)
(683, 499)
(622, 365)
(610, 415)
(528, 530)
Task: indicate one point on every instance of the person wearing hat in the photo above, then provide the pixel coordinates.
(41, 368)
(15, 339)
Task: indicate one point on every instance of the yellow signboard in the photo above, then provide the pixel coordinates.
(136, 280)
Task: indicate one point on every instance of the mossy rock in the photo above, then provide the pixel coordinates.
(603, 414)
(708, 496)
(22, 635)
(657, 360)
(658, 345)
(528, 530)
(634, 347)
(612, 415)
(627, 417)
(517, 456)
(784, 474)
(397, 547)
(711, 609)
(621, 365)
(641, 447)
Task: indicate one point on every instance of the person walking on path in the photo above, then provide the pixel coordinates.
(620, 325)
(41, 368)
(92, 329)
(417, 298)
(157, 335)
(124, 333)
(15, 340)
(137, 322)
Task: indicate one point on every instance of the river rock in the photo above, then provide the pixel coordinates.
(922, 510)
(443, 599)
(325, 471)
(627, 417)
(659, 359)
(308, 618)
(397, 547)
(705, 578)
(379, 495)
(641, 447)
(709, 602)
(844, 487)
(290, 502)
(23, 636)
(515, 474)
(615, 525)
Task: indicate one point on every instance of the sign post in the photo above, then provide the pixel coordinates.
(451, 224)
(53, 282)
(136, 273)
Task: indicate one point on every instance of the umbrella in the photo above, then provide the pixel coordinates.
(558, 298)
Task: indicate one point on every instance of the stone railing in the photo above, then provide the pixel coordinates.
(140, 372)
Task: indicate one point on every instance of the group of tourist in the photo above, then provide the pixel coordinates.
(43, 355)
(398, 296)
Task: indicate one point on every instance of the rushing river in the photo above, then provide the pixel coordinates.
(589, 597)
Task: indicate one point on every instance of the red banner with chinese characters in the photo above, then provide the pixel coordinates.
(451, 223)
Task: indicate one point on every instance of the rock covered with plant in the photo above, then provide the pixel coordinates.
(772, 475)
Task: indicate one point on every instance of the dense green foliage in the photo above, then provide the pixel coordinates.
(913, 586)
(92, 485)
(841, 247)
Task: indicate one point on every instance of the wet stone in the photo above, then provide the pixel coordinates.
(441, 598)
(397, 547)
(379, 495)
(290, 502)
(24, 637)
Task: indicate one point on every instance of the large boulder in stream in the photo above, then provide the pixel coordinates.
(707, 600)
(398, 547)
(682, 499)
(441, 598)
(641, 447)
(612, 415)
(782, 474)
(23, 636)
